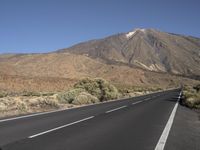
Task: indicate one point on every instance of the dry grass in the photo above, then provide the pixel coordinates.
(130, 91)
(15, 105)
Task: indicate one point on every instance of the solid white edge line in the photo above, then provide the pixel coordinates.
(109, 111)
(51, 130)
(163, 138)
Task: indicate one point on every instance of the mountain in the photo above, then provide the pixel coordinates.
(146, 48)
(143, 57)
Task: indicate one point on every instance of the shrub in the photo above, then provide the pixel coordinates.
(90, 86)
(69, 96)
(3, 94)
(21, 106)
(85, 98)
(191, 97)
(48, 102)
(89, 91)
(99, 88)
(197, 87)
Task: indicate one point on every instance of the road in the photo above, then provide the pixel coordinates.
(136, 123)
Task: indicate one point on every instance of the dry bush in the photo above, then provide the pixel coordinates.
(99, 88)
(3, 94)
(23, 104)
(88, 91)
(69, 96)
(191, 97)
(85, 98)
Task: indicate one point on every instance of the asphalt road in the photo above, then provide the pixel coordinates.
(134, 123)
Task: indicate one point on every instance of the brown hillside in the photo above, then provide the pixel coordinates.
(58, 71)
(148, 49)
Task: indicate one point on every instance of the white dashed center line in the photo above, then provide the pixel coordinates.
(136, 102)
(109, 111)
(147, 99)
(51, 130)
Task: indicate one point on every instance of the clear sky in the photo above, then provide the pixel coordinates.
(32, 26)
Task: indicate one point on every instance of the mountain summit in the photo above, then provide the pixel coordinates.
(149, 49)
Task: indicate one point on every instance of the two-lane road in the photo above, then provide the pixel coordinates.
(139, 123)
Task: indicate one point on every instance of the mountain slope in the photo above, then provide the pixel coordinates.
(148, 49)
(143, 57)
(59, 71)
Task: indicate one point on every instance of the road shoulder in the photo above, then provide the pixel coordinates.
(185, 132)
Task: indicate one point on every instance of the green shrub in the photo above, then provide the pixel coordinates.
(89, 91)
(99, 88)
(85, 98)
(3, 94)
(69, 96)
(89, 85)
(191, 97)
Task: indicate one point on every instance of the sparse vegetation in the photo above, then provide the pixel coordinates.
(89, 91)
(85, 98)
(85, 91)
(38, 94)
(69, 96)
(13, 105)
(3, 94)
(48, 102)
(21, 106)
(129, 91)
(100, 88)
(30, 93)
(191, 96)
(47, 94)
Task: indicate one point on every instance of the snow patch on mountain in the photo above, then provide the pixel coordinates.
(130, 34)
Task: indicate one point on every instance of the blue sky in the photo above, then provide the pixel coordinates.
(33, 26)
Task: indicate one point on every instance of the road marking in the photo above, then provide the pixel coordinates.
(109, 111)
(54, 111)
(146, 99)
(163, 138)
(136, 102)
(51, 130)
(180, 95)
